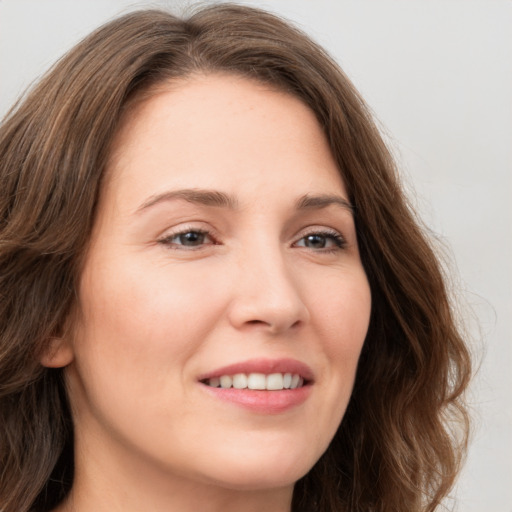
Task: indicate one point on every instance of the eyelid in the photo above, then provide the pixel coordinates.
(169, 235)
(340, 239)
(166, 239)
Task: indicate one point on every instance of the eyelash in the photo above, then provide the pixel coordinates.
(334, 236)
(168, 239)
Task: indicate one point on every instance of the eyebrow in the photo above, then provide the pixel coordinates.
(223, 200)
(197, 196)
(320, 201)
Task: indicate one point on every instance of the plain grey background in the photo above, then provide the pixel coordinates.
(438, 75)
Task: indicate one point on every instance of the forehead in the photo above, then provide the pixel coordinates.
(221, 131)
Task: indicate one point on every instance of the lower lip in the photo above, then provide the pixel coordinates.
(263, 402)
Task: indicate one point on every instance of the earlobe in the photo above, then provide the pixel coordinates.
(57, 354)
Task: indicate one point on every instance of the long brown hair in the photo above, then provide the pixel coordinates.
(400, 443)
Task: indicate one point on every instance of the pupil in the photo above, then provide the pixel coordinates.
(192, 238)
(316, 241)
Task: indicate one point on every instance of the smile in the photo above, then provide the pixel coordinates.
(257, 381)
(262, 386)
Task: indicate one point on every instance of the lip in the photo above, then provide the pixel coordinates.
(262, 402)
(266, 366)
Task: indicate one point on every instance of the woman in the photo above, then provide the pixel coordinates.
(214, 294)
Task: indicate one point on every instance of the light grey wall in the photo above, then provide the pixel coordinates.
(438, 74)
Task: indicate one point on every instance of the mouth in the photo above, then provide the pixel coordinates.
(262, 386)
(260, 375)
(257, 381)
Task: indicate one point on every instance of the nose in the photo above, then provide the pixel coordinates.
(266, 294)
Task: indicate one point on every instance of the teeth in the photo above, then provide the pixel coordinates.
(215, 382)
(239, 381)
(258, 381)
(226, 381)
(275, 381)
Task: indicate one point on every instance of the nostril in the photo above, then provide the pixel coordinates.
(273, 326)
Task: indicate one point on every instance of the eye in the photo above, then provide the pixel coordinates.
(322, 240)
(190, 238)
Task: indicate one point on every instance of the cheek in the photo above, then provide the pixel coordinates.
(138, 331)
(146, 310)
(342, 311)
(341, 315)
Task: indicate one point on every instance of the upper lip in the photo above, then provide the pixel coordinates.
(266, 366)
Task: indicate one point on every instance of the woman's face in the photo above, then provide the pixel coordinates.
(224, 245)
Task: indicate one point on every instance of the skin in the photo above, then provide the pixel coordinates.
(157, 314)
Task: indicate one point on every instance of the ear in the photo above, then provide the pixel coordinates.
(58, 353)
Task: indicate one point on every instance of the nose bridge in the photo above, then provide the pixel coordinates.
(266, 291)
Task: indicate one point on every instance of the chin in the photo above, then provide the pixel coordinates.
(257, 473)
(247, 480)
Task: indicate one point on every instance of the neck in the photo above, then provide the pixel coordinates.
(207, 499)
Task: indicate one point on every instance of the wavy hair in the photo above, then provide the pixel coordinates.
(401, 441)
